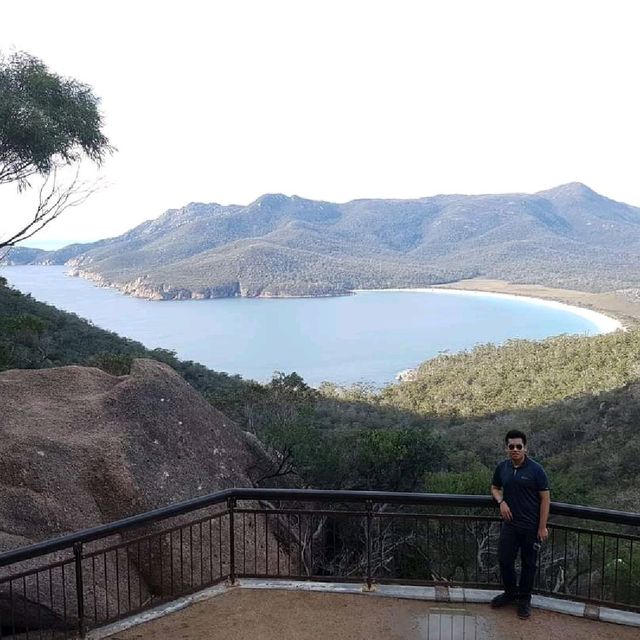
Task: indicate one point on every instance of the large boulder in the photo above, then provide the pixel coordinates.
(80, 447)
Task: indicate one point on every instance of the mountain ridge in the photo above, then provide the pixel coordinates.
(568, 236)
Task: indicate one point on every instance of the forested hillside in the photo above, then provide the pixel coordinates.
(521, 374)
(281, 245)
(578, 397)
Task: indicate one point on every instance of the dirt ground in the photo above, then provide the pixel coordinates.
(625, 310)
(247, 614)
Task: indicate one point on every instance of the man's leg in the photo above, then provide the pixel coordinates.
(529, 557)
(507, 551)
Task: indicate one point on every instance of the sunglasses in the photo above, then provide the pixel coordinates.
(511, 447)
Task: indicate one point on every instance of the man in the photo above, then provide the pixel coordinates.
(521, 488)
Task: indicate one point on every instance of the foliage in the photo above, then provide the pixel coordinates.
(279, 415)
(473, 482)
(392, 459)
(117, 364)
(44, 118)
(520, 374)
(46, 122)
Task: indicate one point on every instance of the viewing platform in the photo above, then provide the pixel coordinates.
(270, 563)
(251, 612)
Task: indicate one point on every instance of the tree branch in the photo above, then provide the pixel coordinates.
(54, 199)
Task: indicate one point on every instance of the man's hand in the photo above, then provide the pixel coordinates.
(505, 512)
(543, 534)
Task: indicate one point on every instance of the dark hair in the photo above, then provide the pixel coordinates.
(514, 433)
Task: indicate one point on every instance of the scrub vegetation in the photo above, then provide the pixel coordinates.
(578, 397)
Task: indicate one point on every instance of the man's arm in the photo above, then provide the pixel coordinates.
(545, 501)
(505, 512)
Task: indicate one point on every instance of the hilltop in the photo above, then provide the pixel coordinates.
(281, 245)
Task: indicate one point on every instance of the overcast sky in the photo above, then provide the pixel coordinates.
(224, 101)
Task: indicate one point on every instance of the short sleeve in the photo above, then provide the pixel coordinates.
(497, 480)
(542, 482)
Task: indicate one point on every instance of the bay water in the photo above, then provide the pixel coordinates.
(366, 337)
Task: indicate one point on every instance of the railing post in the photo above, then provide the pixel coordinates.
(77, 553)
(231, 503)
(369, 509)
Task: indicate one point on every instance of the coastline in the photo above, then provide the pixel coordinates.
(604, 319)
(610, 303)
(609, 311)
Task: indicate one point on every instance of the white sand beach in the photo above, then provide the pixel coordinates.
(603, 322)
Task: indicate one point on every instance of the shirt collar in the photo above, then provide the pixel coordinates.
(522, 466)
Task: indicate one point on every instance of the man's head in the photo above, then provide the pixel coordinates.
(516, 446)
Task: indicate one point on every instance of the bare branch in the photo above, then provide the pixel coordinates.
(53, 199)
(285, 467)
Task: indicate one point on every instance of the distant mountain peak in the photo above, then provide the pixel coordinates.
(571, 189)
(271, 198)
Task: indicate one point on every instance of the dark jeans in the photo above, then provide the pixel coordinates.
(512, 539)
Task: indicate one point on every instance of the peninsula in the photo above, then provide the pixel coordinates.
(568, 238)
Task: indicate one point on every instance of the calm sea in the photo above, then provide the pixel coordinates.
(367, 337)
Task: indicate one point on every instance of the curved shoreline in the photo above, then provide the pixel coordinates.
(603, 322)
(607, 311)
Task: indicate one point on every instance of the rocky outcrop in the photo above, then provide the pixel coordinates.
(406, 375)
(80, 447)
(142, 288)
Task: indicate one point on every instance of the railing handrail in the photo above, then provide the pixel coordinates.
(186, 506)
(458, 500)
(105, 530)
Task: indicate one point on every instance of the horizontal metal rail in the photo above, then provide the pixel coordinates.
(301, 495)
(112, 528)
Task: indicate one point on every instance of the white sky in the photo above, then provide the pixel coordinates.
(334, 100)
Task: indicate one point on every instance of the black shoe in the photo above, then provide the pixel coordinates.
(503, 600)
(524, 608)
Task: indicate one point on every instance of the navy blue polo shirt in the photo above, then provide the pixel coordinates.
(520, 490)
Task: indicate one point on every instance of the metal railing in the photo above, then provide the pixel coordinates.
(62, 587)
